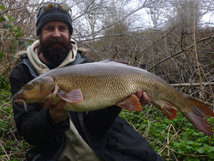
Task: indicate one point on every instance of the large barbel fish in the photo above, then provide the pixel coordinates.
(93, 86)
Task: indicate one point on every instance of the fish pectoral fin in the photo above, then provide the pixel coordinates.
(130, 103)
(73, 96)
(168, 110)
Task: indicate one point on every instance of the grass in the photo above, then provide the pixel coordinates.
(12, 145)
(173, 139)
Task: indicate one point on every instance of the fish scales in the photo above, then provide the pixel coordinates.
(104, 83)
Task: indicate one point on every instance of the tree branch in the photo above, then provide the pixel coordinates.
(179, 52)
(193, 84)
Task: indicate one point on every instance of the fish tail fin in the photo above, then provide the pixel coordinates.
(168, 110)
(195, 114)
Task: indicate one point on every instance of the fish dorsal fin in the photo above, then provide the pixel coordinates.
(130, 103)
(73, 96)
(116, 61)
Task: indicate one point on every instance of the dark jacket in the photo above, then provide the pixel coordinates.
(110, 136)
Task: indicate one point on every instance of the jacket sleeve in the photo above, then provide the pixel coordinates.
(101, 120)
(35, 125)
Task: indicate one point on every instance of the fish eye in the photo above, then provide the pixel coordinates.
(30, 85)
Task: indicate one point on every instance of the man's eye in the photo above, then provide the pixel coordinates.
(49, 28)
(63, 28)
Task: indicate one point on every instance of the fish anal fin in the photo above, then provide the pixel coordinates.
(130, 103)
(73, 96)
(168, 110)
(195, 114)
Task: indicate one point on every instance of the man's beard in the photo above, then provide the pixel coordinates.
(55, 54)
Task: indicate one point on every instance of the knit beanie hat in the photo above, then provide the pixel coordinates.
(53, 12)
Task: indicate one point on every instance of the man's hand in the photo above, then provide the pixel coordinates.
(57, 112)
(144, 99)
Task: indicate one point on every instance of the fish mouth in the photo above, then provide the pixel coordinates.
(20, 100)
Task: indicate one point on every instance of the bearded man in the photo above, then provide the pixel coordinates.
(60, 135)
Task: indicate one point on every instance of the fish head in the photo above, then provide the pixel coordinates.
(37, 90)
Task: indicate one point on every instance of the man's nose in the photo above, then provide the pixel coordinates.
(56, 33)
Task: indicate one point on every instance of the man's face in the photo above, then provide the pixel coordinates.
(55, 42)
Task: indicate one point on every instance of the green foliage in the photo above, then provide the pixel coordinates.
(11, 18)
(13, 146)
(4, 84)
(1, 56)
(26, 44)
(173, 139)
(16, 32)
(2, 7)
(2, 19)
(7, 26)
